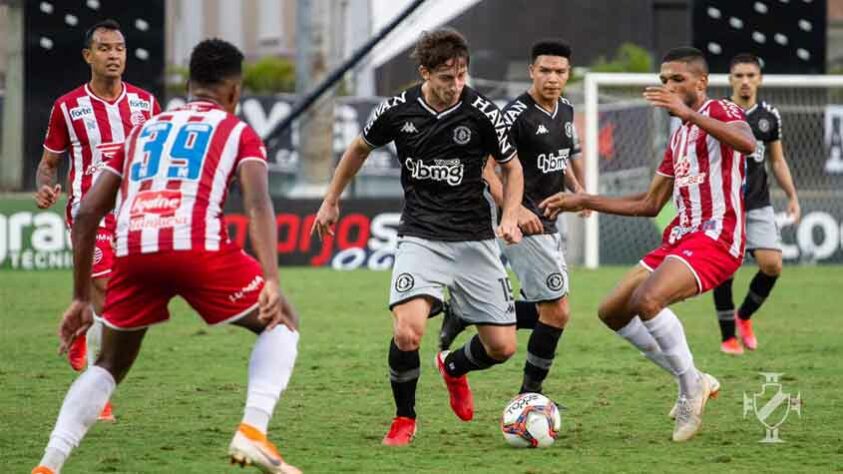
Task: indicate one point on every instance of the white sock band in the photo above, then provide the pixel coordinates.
(270, 368)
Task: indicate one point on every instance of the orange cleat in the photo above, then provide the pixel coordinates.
(43, 470)
(106, 414)
(746, 333)
(401, 433)
(77, 353)
(731, 346)
(462, 401)
(250, 447)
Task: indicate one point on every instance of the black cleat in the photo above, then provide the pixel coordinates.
(452, 326)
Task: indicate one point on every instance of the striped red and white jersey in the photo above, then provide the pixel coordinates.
(709, 180)
(91, 129)
(175, 172)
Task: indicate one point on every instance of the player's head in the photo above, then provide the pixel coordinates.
(216, 72)
(550, 68)
(105, 49)
(443, 59)
(745, 76)
(684, 71)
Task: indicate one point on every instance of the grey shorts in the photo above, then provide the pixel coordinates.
(540, 266)
(472, 271)
(761, 230)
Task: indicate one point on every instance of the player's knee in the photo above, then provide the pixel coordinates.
(556, 314)
(501, 350)
(773, 267)
(113, 366)
(407, 338)
(645, 304)
(607, 311)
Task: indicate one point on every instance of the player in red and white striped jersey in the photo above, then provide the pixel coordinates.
(173, 175)
(90, 123)
(704, 169)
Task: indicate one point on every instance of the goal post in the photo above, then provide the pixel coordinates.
(812, 113)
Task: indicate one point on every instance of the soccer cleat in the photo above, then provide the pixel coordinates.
(715, 390)
(731, 346)
(107, 414)
(689, 410)
(452, 326)
(401, 433)
(77, 354)
(746, 333)
(43, 470)
(249, 447)
(462, 401)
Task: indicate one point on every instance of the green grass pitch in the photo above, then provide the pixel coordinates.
(179, 406)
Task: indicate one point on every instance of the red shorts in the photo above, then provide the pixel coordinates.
(103, 254)
(709, 261)
(221, 286)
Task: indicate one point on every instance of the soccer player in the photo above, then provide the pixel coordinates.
(172, 177)
(762, 234)
(541, 126)
(90, 123)
(444, 132)
(704, 169)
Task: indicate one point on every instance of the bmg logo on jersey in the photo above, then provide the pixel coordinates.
(450, 171)
(550, 162)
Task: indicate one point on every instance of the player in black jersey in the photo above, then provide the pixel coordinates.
(542, 128)
(762, 234)
(444, 132)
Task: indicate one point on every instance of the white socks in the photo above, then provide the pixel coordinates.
(270, 368)
(637, 334)
(82, 404)
(94, 339)
(667, 330)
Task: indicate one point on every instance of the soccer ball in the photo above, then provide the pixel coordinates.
(531, 420)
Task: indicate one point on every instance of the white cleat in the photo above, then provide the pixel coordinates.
(689, 410)
(251, 448)
(715, 390)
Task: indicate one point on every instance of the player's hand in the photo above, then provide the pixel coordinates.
(274, 309)
(508, 230)
(529, 222)
(325, 219)
(77, 318)
(47, 196)
(562, 202)
(660, 97)
(794, 211)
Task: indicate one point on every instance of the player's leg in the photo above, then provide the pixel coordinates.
(541, 348)
(725, 306)
(615, 312)
(90, 392)
(769, 269)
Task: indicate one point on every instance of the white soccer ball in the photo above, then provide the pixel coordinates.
(531, 420)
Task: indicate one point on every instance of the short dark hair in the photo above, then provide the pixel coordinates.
(435, 48)
(108, 24)
(550, 47)
(214, 60)
(687, 54)
(745, 58)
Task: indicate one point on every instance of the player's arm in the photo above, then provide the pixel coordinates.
(647, 204)
(528, 222)
(98, 202)
(575, 174)
(45, 180)
(737, 134)
(513, 194)
(350, 163)
(780, 169)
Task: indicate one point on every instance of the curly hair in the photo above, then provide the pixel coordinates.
(435, 48)
(214, 60)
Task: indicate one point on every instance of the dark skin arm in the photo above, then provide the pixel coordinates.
(95, 205)
(263, 234)
(647, 204)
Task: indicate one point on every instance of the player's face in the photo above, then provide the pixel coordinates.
(107, 54)
(549, 75)
(447, 81)
(684, 80)
(745, 79)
